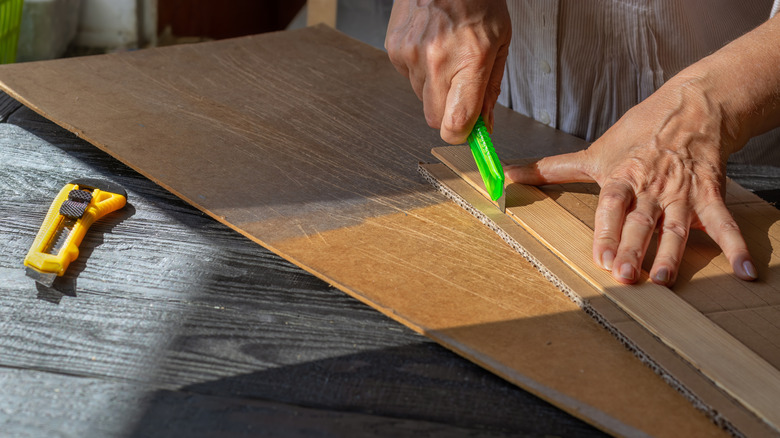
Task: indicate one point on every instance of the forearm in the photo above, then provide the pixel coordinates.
(743, 81)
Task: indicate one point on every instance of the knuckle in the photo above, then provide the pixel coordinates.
(712, 192)
(393, 41)
(632, 253)
(403, 61)
(728, 225)
(435, 57)
(395, 57)
(406, 50)
(641, 218)
(676, 228)
(605, 237)
(409, 54)
(614, 198)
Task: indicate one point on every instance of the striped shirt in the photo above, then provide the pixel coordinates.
(579, 65)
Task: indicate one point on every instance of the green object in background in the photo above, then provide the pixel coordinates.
(10, 20)
(487, 161)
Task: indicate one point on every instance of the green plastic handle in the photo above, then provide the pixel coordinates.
(487, 160)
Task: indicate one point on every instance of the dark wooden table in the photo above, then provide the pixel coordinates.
(171, 324)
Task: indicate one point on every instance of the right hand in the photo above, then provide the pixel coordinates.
(453, 52)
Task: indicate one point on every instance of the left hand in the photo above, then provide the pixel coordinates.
(661, 166)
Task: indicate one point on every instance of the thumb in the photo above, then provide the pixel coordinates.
(558, 169)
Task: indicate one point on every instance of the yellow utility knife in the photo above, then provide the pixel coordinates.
(78, 205)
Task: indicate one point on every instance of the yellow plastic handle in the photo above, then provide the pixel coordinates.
(41, 257)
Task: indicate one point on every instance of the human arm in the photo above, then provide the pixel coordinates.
(453, 52)
(662, 165)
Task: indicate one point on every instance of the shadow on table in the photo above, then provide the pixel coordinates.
(399, 391)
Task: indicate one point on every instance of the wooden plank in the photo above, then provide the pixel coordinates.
(174, 313)
(306, 142)
(731, 365)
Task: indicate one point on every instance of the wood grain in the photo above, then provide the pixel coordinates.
(307, 143)
(730, 364)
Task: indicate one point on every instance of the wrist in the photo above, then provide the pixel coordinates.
(708, 85)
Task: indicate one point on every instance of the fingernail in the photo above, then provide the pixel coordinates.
(750, 270)
(662, 276)
(627, 271)
(607, 257)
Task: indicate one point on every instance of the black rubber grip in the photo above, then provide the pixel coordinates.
(80, 196)
(73, 209)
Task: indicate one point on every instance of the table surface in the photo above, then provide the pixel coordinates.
(171, 324)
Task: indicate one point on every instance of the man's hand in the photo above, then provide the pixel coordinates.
(660, 166)
(453, 52)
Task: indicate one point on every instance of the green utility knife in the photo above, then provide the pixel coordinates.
(488, 164)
